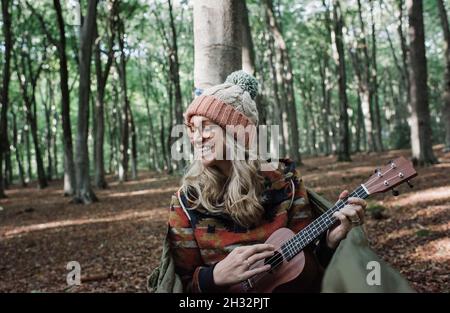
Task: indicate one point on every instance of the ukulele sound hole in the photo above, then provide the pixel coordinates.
(274, 260)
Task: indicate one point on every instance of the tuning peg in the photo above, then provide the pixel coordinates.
(395, 193)
(409, 184)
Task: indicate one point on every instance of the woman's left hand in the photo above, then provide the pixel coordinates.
(351, 215)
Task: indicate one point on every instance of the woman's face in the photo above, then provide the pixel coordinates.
(208, 140)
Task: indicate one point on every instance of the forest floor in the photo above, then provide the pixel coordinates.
(117, 241)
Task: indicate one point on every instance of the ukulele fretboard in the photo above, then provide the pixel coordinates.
(311, 232)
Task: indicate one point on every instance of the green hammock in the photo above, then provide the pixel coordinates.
(354, 267)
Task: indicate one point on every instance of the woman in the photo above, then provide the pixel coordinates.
(227, 207)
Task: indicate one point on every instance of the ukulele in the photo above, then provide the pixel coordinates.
(288, 260)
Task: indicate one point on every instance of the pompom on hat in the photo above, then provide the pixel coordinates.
(230, 103)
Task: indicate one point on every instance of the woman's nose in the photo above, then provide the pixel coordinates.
(197, 136)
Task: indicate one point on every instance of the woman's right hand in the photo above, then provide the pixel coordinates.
(236, 267)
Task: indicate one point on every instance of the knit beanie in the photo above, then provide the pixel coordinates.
(230, 103)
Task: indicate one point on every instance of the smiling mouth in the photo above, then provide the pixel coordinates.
(205, 148)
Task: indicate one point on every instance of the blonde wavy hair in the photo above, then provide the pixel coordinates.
(238, 195)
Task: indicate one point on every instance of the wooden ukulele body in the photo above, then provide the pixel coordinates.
(282, 274)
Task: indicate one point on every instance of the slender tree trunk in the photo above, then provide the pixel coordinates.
(109, 126)
(99, 123)
(42, 180)
(446, 95)
(124, 145)
(326, 81)
(48, 132)
(84, 192)
(360, 135)
(312, 121)
(374, 77)
(325, 109)
(175, 77)
(421, 140)
(277, 117)
(8, 166)
(6, 28)
(102, 78)
(248, 59)
(55, 139)
(290, 113)
(152, 152)
(134, 160)
(401, 109)
(344, 135)
(365, 85)
(163, 144)
(17, 151)
(405, 53)
(28, 150)
(116, 129)
(69, 164)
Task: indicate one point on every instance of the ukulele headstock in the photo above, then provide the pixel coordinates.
(395, 173)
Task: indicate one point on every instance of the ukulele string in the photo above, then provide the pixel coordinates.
(328, 215)
(370, 181)
(382, 183)
(279, 258)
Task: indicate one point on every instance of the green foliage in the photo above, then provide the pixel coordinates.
(423, 232)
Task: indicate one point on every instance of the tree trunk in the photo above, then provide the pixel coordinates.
(55, 138)
(134, 159)
(17, 150)
(421, 140)
(401, 107)
(84, 192)
(217, 41)
(175, 76)
(277, 118)
(42, 179)
(69, 165)
(405, 53)
(326, 82)
(102, 78)
(248, 58)
(374, 77)
(124, 143)
(360, 132)
(344, 136)
(365, 86)
(290, 114)
(6, 16)
(100, 181)
(163, 144)
(48, 128)
(28, 149)
(152, 152)
(8, 166)
(446, 95)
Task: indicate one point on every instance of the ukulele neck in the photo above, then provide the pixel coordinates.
(311, 232)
